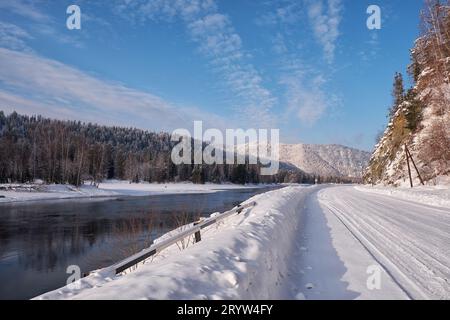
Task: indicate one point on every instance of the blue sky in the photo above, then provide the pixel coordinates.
(308, 67)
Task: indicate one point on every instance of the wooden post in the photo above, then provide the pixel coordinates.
(197, 235)
(415, 167)
(409, 167)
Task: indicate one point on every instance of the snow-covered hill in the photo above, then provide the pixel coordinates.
(325, 160)
(315, 159)
(420, 117)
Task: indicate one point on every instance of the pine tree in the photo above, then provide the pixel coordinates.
(398, 93)
(239, 174)
(414, 68)
(413, 112)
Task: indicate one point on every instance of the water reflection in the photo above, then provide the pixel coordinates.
(39, 240)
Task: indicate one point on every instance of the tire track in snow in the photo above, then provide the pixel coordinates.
(420, 267)
(411, 247)
(371, 248)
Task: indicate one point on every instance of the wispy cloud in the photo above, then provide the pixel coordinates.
(140, 11)
(32, 84)
(305, 96)
(14, 37)
(220, 43)
(223, 46)
(38, 22)
(284, 12)
(278, 44)
(26, 9)
(10, 102)
(371, 48)
(325, 18)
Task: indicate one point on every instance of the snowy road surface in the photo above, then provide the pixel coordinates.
(320, 242)
(346, 231)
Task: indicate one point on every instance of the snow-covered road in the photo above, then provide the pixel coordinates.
(347, 233)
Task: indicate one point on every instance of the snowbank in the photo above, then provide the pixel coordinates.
(54, 192)
(113, 188)
(434, 196)
(245, 257)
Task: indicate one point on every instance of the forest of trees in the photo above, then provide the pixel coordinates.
(73, 152)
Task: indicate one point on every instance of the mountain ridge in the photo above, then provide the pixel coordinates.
(326, 159)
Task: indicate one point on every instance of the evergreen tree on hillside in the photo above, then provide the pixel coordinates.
(398, 93)
(414, 68)
(413, 112)
(239, 174)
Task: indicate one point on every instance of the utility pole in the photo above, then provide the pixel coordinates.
(415, 167)
(409, 167)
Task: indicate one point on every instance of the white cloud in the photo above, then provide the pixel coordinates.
(312, 105)
(371, 47)
(13, 37)
(163, 10)
(281, 12)
(304, 95)
(220, 43)
(35, 85)
(307, 100)
(38, 23)
(10, 102)
(223, 46)
(25, 9)
(325, 21)
(279, 44)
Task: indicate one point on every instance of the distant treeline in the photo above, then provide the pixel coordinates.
(73, 152)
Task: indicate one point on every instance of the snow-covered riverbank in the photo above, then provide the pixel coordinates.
(113, 188)
(245, 257)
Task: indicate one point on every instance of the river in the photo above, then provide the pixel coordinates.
(40, 239)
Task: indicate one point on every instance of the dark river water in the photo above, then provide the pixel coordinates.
(39, 240)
